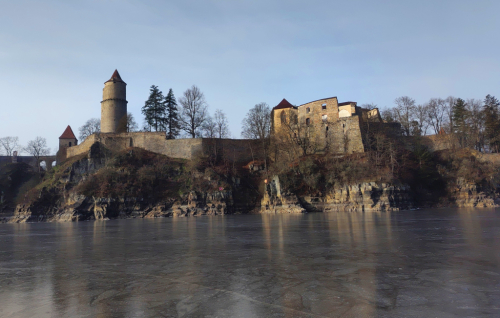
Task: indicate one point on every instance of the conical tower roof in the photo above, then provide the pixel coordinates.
(115, 77)
(68, 134)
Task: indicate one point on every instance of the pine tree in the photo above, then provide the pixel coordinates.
(171, 118)
(491, 122)
(154, 109)
(460, 120)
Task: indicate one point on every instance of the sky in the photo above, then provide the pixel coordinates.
(56, 55)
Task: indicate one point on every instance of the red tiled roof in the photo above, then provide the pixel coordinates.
(284, 104)
(346, 103)
(115, 77)
(68, 134)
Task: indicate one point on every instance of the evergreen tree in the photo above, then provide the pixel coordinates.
(460, 120)
(491, 122)
(154, 109)
(171, 119)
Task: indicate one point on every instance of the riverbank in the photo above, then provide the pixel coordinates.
(138, 184)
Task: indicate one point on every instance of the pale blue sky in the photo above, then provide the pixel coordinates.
(56, 55)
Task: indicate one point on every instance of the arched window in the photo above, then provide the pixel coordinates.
(308, 109)
(283, 117)
(308, 121)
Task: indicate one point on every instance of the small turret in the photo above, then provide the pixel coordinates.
(114, 105)
(67, 139)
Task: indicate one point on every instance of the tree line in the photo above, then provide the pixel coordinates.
(472, 123)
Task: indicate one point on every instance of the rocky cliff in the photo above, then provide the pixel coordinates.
(465, 194)
(132, 184)
(362, 197)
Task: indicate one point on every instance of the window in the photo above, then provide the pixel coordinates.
(70, 143)
(323, 106)
(283, 117)
(308, 109)
(308, 121)
(324, 118)
(326, 132)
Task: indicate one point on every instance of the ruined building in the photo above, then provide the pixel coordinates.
(325, 124)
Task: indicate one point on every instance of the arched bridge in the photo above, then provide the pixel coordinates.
(46, 162)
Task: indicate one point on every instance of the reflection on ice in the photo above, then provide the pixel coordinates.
(442, 263)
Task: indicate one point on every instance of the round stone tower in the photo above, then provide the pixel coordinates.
(114, 105)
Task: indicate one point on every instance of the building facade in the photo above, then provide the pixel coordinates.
(325, 124)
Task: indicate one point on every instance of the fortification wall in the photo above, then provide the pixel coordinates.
(439, 142)
(234, 150)
(314, 111)
(344, 136)
(231, 149)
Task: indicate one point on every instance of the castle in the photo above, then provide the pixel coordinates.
(332, 125)
(325, 123)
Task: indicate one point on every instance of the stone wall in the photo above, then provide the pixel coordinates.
(240, 150)
(438, 142)
(316, 111)
(344, 136)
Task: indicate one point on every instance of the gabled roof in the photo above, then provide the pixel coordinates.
(68, 134)
(115, 77)
(284, 104)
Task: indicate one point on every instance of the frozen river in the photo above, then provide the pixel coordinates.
(427, 263)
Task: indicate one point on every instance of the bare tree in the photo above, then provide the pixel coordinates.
(193, 112)
(388, 115)
(475, 124)
(221, 124)
(131, 123)
(257, 123)
(404, 111)
(9, 144)
(436, 113)
(449, 104)
(209, 127)
(421, 119)
(300, 134)
(91, 126)
(37, 148)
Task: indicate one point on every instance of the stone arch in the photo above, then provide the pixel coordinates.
(43, 165)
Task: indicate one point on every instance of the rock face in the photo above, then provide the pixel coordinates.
(368, 197)
(465, 194)
(363, 197)
(81, 208)
(286, 203)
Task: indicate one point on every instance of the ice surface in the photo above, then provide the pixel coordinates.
(425, 263)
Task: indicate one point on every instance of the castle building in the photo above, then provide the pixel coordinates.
(67, 139)
(114, 105)
(326, 123)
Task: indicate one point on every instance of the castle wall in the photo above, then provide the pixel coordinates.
(439, 142)
(240, 150)
(344, 136)
(316, 111)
